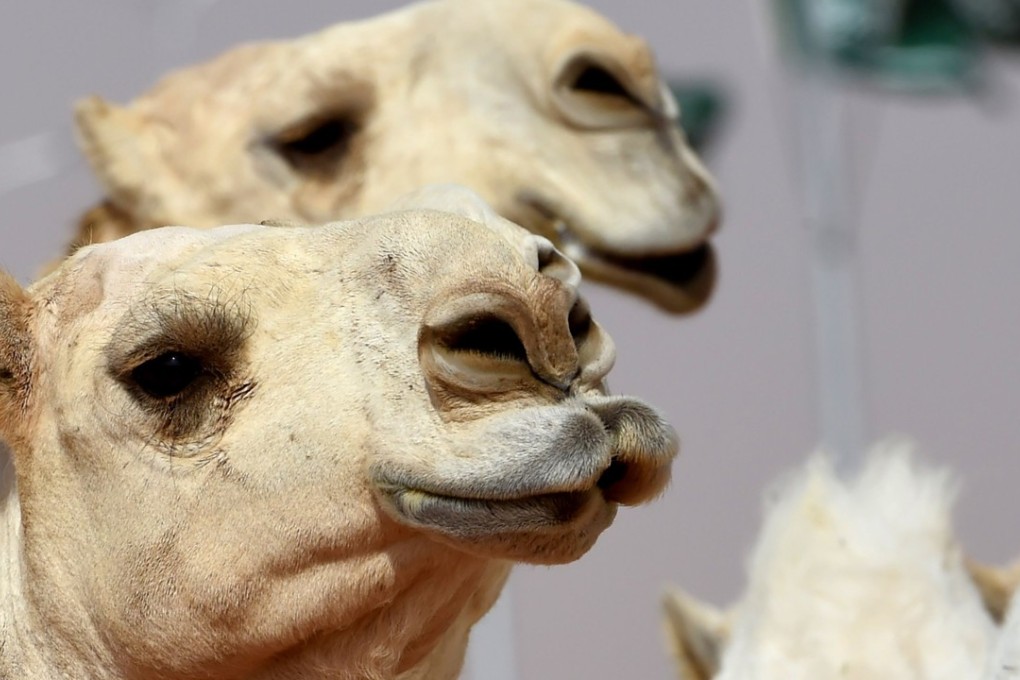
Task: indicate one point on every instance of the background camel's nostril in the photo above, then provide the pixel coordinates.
(597, 80)
(486, 335)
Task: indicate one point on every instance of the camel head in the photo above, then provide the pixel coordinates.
(300, 451)
(553, 115)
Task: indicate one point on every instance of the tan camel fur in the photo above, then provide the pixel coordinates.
(857, 580)
(265, 452)
(559, 120)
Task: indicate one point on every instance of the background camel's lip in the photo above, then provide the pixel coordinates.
(680, 282)
(680, 269)
(694, 285)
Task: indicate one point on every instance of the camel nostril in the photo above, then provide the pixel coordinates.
(616, 471)
(485, 335)
(579, 320)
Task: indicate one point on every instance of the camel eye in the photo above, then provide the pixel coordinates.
(597, 80)
(313, 142)
(167, 375)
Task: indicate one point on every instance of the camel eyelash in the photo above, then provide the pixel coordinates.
(192, 349)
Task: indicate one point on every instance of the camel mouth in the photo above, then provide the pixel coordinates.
(680, 282)
(476, 522)
(539, 486)
(551, 528)
(464, 516)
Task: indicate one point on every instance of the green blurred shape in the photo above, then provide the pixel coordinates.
(998, 20)
(917, 45)
(702, 109)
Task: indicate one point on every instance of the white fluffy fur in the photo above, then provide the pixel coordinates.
(860, 580)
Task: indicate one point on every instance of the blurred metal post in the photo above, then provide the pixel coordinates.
(839, 376)
(34, 159)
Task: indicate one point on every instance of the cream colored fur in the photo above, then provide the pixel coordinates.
(377, 418)
(854, 579)
(1005, 661)
(492, 94)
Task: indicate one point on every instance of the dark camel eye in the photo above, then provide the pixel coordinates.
(167, 375)
(322, 139)
(597, 80)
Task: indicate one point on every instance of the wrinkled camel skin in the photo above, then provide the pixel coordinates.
(548, 111)
(291, 452)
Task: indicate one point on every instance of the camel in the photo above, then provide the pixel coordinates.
(853, 579)
(554, 116)
(293, 452)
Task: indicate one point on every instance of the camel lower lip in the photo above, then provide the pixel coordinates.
(469, 517)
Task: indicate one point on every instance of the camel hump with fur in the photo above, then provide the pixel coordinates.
(301, 452)
(860, 578)
(557, 118)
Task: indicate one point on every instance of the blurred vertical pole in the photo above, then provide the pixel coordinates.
(820, 130)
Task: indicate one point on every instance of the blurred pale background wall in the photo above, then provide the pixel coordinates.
(937, 184)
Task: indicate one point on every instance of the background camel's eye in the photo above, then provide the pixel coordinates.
(310, 142)
(167, 375)
(597, 80)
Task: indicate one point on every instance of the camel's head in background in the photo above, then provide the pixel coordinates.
(557, 118)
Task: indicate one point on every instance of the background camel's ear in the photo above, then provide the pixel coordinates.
(15, 356)
(697, 634)
(122, 148)
(996, 585)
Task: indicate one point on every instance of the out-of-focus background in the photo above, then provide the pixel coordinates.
(930, 204)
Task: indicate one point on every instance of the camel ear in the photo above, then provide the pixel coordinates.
(123, 149)
(996, 585)
(697, 634)
(15, 356)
